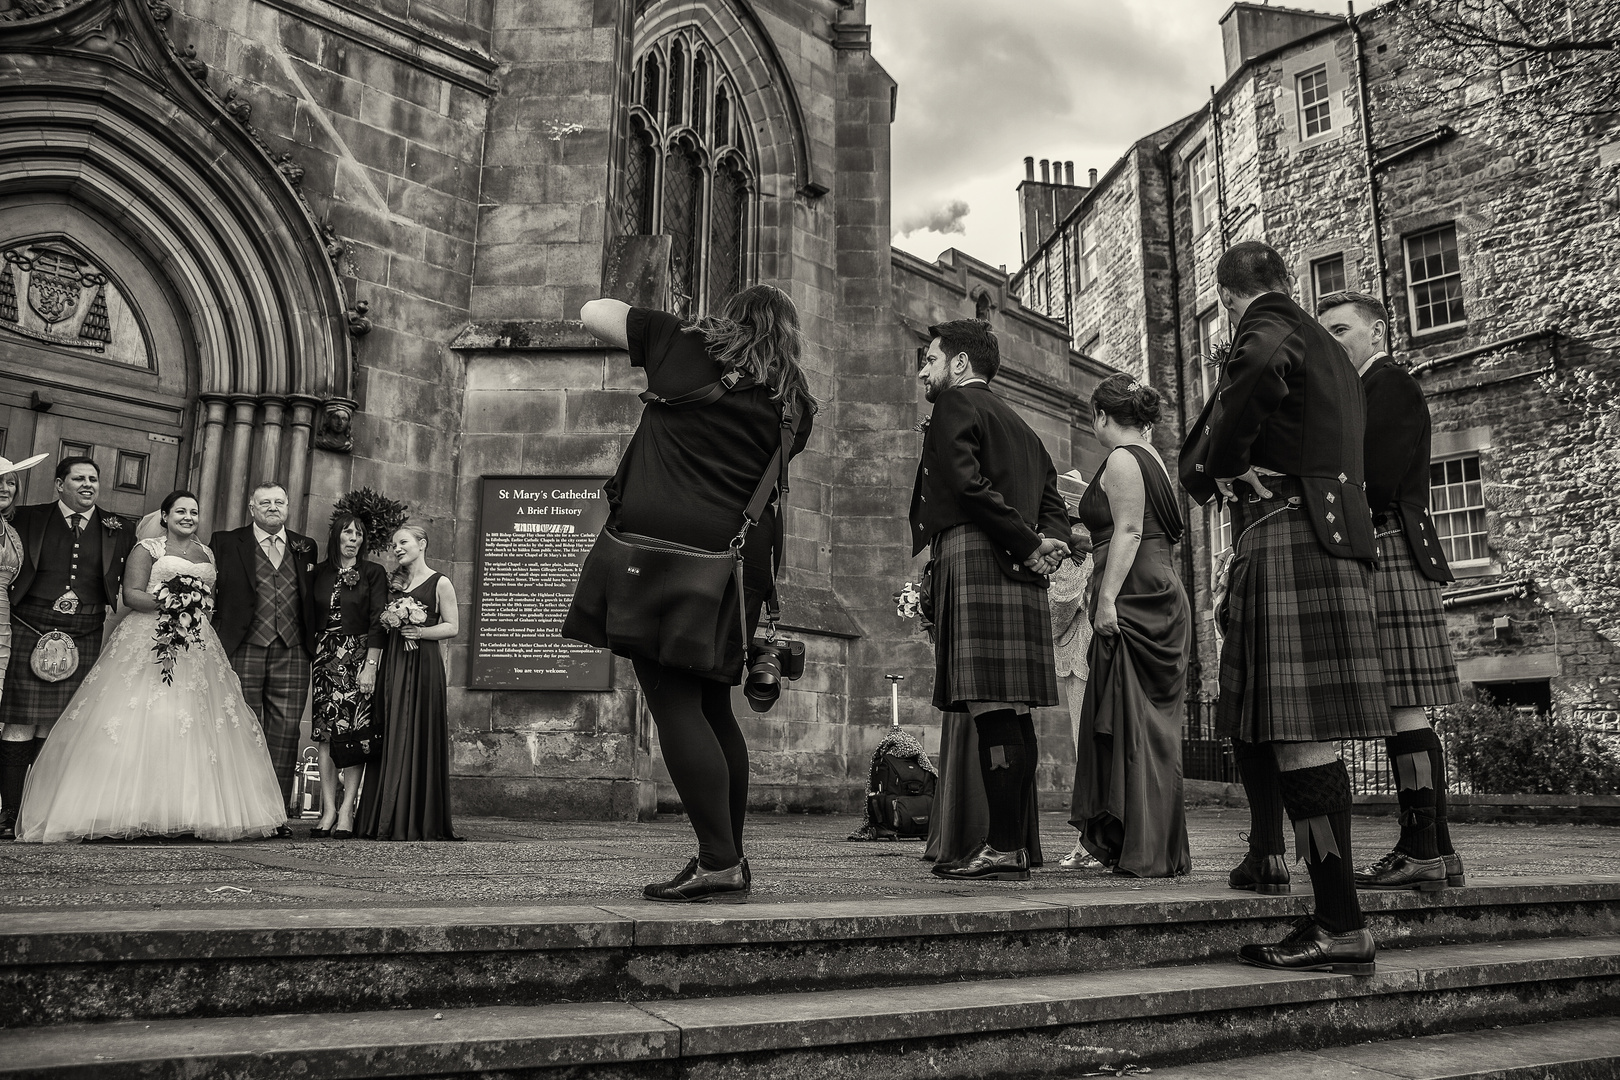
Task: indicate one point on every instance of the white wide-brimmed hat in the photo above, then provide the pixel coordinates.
(7, 466)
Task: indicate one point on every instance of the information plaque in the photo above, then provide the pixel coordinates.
(533, 535)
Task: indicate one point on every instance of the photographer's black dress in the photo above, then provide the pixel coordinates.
(687, 476)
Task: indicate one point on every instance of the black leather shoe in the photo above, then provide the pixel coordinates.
(1455, 877)
(1311, 948)
(343, 834)
(8, 824)
(282, 832)
(1398, 870)
(319, 834)
(695, 885)
(988, 864)
(1267, 874)
(748, 876)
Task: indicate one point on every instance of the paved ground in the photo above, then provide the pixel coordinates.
(793, 858)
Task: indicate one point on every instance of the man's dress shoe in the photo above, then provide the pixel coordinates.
(695, 885)
(1398, 870)
(8, 824)
(1455, 877)
(988, 864)
(1267, 874)
(1311, 948)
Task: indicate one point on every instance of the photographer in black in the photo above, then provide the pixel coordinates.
(721, 391)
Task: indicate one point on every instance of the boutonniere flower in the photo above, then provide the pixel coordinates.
(1219, 353)
(349, 578)
(303, 546)
(921, 426)
(112, 523)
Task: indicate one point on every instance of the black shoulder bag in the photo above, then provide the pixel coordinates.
(681, 606)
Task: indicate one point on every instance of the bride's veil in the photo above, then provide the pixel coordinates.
(150, 526)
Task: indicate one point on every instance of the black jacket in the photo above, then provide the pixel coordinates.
(235, 596)
(116, 542)
(1288, 400)
(358, 606)
(983, 465)
(1398, 462)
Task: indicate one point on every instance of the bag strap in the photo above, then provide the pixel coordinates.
(703, 395)
(776, 471)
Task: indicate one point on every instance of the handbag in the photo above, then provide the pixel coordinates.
(639, 596)
(356, 747)
(55, 656)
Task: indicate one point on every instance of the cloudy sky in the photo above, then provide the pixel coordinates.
(984, 84)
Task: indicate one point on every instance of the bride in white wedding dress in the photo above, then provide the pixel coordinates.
(135, 756)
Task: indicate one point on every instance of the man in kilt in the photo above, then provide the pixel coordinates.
(986, 501)
(1282, 438)
(1419, 672)
(71, 575)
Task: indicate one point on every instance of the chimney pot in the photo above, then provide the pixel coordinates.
(1091, 177)
(1029, 168)
(1068, 173)
(1046, 171)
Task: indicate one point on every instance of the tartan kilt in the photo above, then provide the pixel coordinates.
(1418, 667)
(28, 699)
(993, 634)
(1300, 662)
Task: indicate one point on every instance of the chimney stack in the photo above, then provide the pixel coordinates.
(1068, 173)
(1091, 177)
(1029, 168)
(1046, 171)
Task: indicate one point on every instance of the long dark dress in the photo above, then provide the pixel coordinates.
(1127, 779)
(406, 793)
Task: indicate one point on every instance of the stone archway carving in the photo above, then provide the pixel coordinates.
(96, 104)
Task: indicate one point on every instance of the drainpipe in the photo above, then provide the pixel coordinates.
(1220, 169)
(1068, 291)
(1195, 667)
(1372, 168)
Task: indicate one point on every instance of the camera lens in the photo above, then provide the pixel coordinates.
(764, 683)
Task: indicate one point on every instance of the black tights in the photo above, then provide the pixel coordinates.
(706, 755)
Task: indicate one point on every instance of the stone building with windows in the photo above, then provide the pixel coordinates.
(343, 244)
(1480, 201)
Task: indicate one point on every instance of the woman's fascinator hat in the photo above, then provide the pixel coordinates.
(7, 466)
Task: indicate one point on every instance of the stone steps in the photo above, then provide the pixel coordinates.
(1032, 1026)
(78, 967)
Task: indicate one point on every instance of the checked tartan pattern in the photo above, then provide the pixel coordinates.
(994, 633)
(28, 699)
(275, 685)
(1301, 659)
(1418, 667)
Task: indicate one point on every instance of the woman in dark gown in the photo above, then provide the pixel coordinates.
(1127, 781)
(406, 792)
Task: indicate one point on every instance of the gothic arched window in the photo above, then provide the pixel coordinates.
(688, 172)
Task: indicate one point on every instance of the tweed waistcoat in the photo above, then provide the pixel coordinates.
(65, 563)
(275, 615)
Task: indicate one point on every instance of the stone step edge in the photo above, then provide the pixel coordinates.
(514, 1037)
(36, 938)
(1522, 1052)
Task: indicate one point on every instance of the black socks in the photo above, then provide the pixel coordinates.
(1418, 762)
(1007, 764)
(15, 757)
(1318, 803)
(1257, 765)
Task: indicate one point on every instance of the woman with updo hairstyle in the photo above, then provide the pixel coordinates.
(1127, 779)
(405, 794)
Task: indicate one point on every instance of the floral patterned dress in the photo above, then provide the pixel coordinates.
(339, 706)
(10, 564)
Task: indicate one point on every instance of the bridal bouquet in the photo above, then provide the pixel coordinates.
(402, 613)
(184, 604)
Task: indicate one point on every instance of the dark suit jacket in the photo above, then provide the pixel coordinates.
(236, 597)
(982, 465)
(1288, 400)
(358, 607)
(30, 522)
(1398, 461)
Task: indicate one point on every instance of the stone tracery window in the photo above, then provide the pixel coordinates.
(689, 172)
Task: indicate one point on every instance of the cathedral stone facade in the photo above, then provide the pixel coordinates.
(343, 244)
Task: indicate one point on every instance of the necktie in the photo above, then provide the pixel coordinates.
(273, 549)
(77, 521)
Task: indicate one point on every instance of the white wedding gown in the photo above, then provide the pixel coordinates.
(132, 756)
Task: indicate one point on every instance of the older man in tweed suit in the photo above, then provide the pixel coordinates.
(1282, 438)
(263, 612)
(986, 501)
(1419, 672)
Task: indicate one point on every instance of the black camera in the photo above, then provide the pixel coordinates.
(770, 660)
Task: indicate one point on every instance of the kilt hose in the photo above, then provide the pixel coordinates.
(28, 699)
(275, 685)
(1418, 667)
(993, 634)
(1300, 662)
